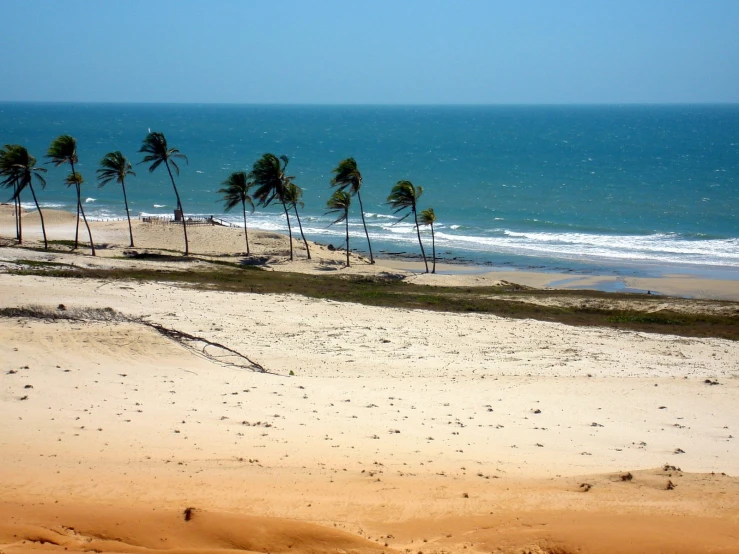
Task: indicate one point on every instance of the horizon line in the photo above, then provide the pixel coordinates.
(387, 105)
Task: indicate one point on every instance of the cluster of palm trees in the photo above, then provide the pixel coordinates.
(271, 184)
(266, 183)
(18, 171)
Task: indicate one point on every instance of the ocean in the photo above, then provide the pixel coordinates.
(622, 190)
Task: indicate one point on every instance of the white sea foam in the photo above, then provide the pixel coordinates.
(668, 248)
(89, 200)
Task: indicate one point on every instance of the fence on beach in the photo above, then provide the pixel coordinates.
(190, 220)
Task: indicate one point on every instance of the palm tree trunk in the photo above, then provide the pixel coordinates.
(40, 214)
(361, 211)
(77, 228)
(301, 230)
(246, 232)
(418, 231)
(18, 217)
(84, 217)
(128, 215)
(433, 248)
(17, 213)
(289, 229)
(347, 235)
(179, 207)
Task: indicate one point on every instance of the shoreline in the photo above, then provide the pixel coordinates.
(223, 241)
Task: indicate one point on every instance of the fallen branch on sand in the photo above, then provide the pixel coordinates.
(110, 315)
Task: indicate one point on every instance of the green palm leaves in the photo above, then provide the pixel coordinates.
(18, 170)
(73, 179)
(428, 217)
(235, 191)
(63, 150)
(157, 152)
(348, 177)
(270, 181)
(293, 194)
(404, 196)
(339, 204)
(115, 167)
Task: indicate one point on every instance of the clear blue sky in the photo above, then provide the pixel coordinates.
(370, 52)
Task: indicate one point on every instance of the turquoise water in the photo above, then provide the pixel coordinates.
(621, 189)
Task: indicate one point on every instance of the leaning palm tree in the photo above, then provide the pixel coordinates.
(63, 150)
(19, 170)
(9, 175)
(339, 204)
(77, 180)
(348, 176)
(157, 152)
(404, 196)
(115, 167)
(428, 217)
(235, 191)
(293, 194)
(270, 180)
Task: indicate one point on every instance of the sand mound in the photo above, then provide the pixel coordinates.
(39, 528)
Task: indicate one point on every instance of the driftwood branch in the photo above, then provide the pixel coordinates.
(183, 338)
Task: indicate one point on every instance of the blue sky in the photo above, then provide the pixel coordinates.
(371, 52)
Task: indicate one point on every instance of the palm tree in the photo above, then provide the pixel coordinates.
(270, 180)
(19, 169)
(10, 174)
(428, 217)
(235, 191)
(77, 180)
(339, 204)
(348, 176)
(115, 166)
(156, 150)
(62, 150)
(404, 196)
(293, 194)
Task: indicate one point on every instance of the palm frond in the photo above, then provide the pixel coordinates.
(19, 168)
(114, 167)
(292, 193)
(235, 190)
(347, 176)
(63, 149)
(404, 196)
(427, 217)
(74, 179)
(339, 204)
(267, 174)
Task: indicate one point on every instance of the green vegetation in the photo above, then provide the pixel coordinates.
(115, 167)
(157, 152)
(18, 170)
(293, 194)
(339, 204)
(235, 191)
(349, 177)
(270, 182)
(506, 301)
(404, 196)
(428, 217)
(62, 150)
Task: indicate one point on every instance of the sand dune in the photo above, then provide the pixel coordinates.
(399, 427)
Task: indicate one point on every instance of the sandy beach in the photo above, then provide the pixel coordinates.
(354, 428)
